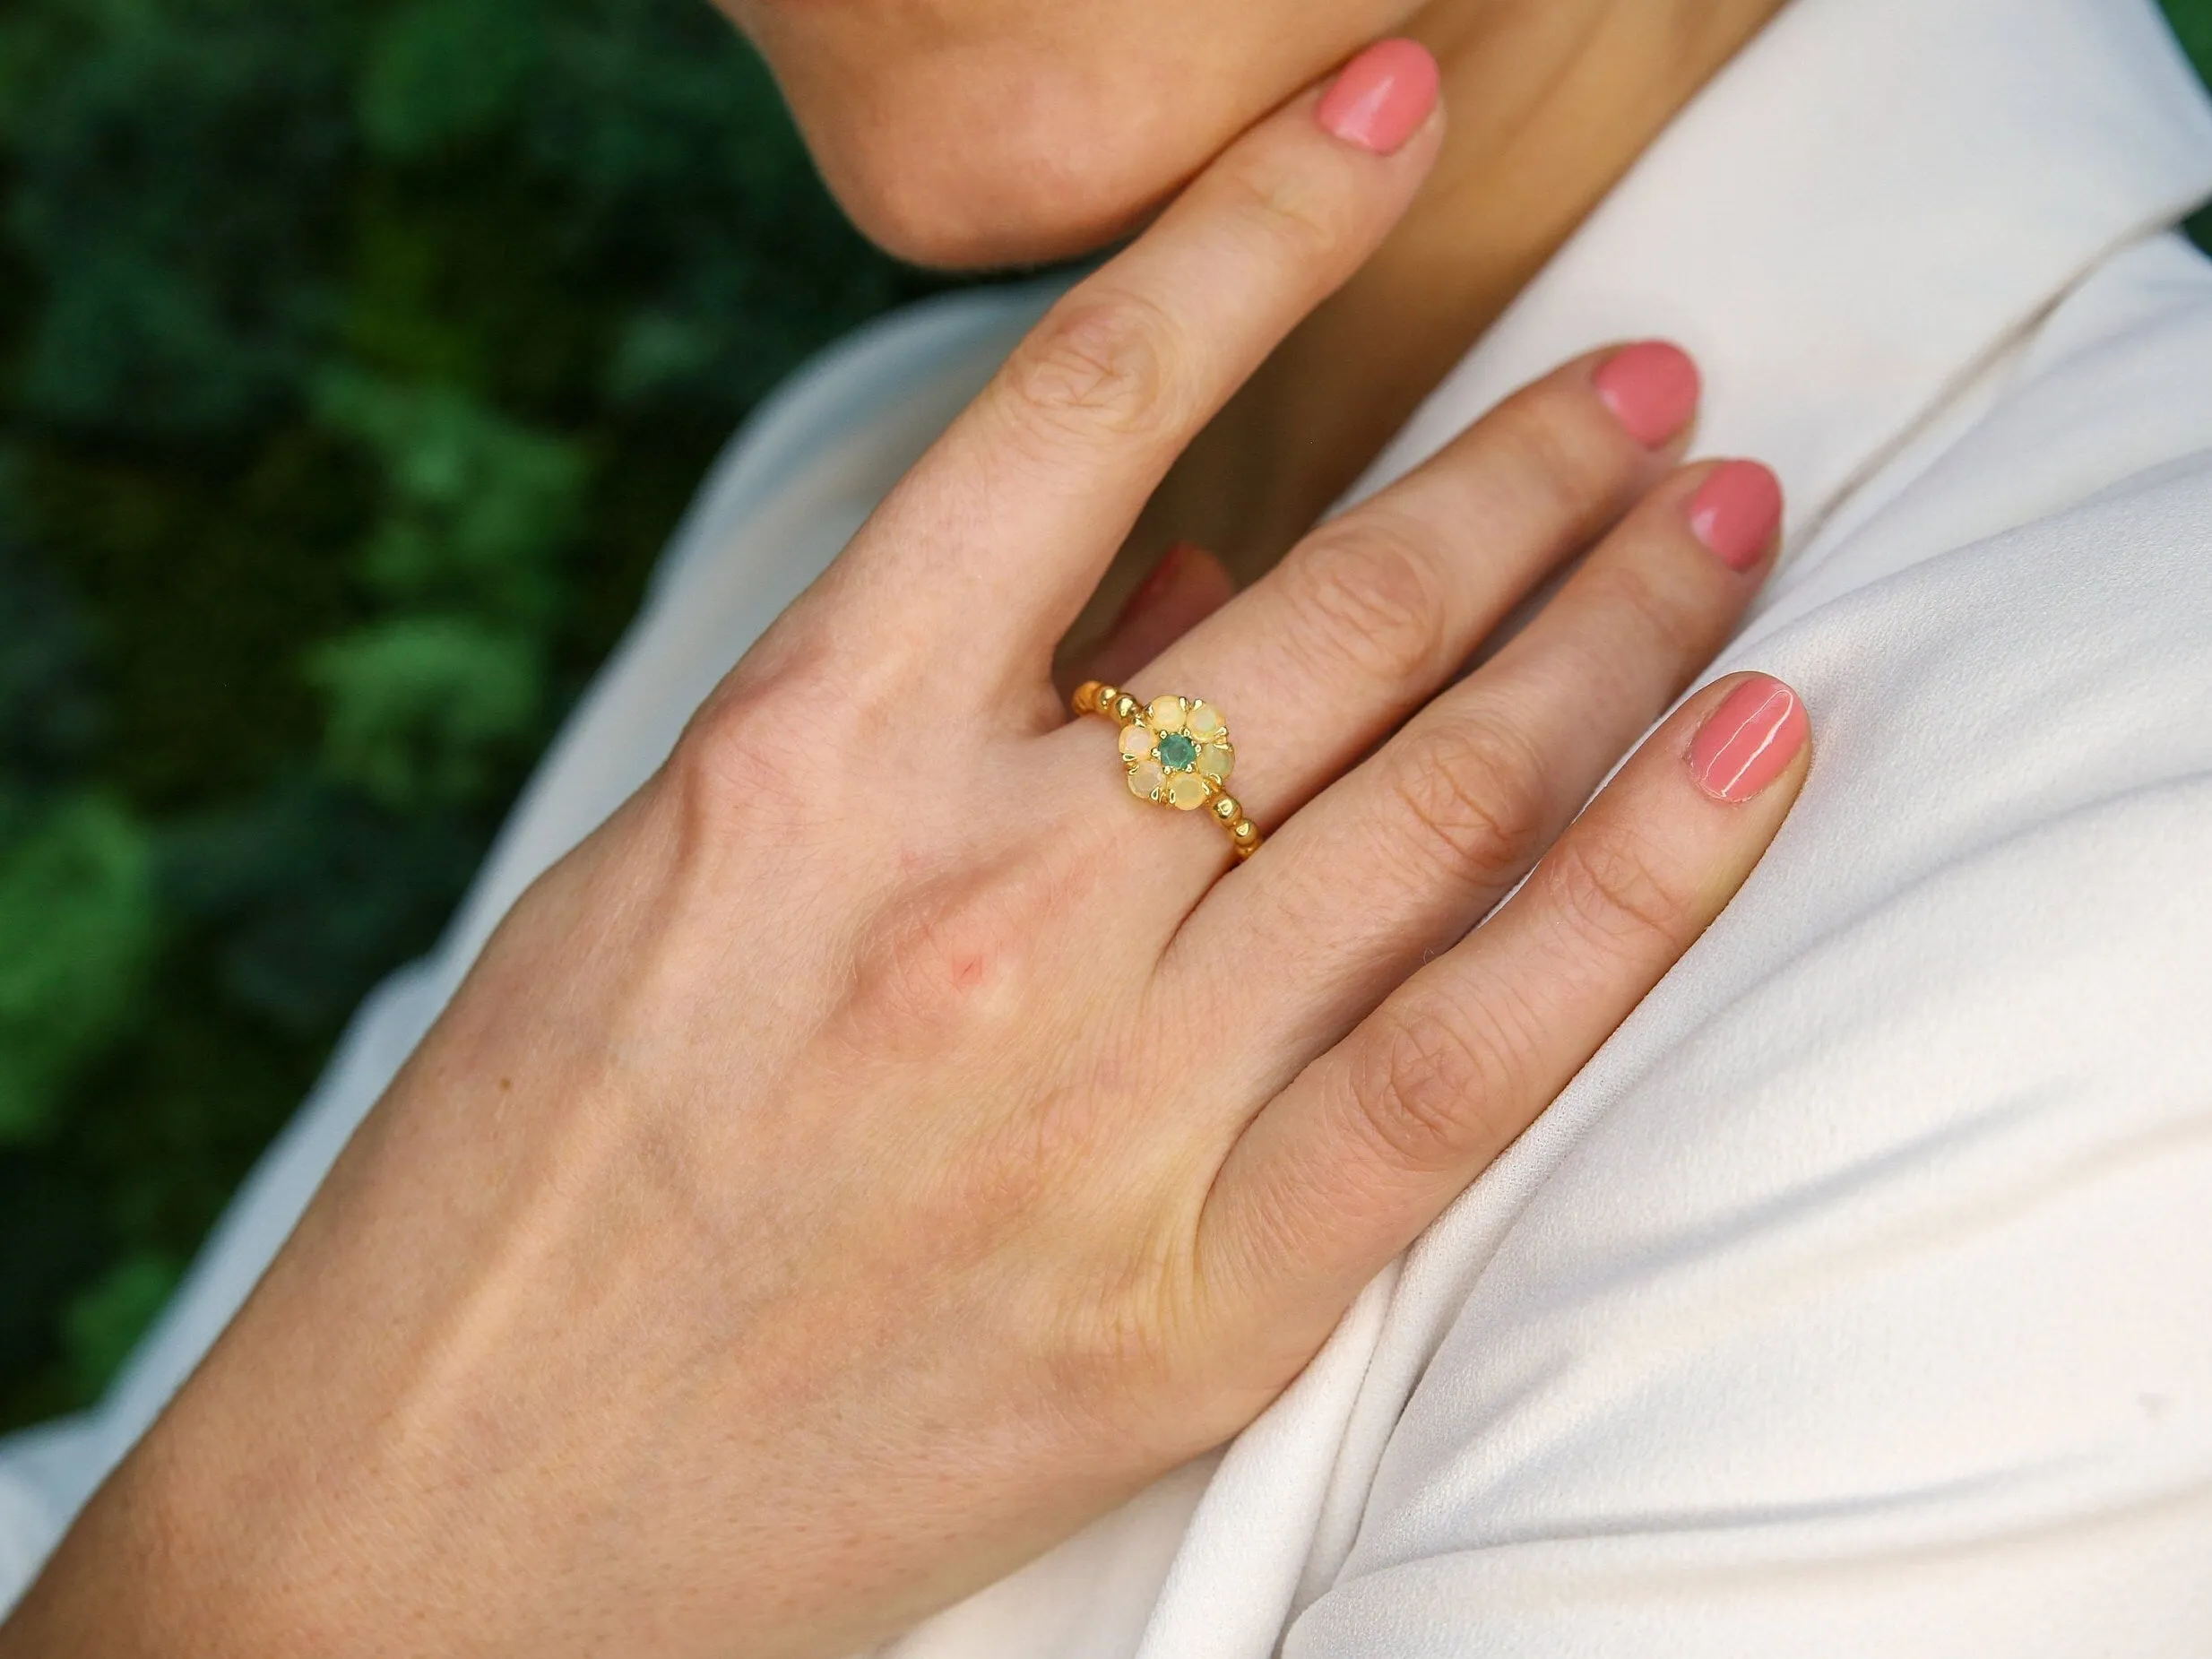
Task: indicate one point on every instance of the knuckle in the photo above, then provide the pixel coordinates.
(1118, 1327)
(1291, 208)
(1546, 447)
(1645, 613)
(1607, 884)
(1369, 592)
(770, 761)
(1097, 365)
(1474, 803)
(945, 966)
(1424, 1089)
(742, 755)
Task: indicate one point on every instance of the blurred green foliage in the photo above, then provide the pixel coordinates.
(355, 358)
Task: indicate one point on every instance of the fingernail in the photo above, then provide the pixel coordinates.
(1749, 740)
(1736, 512)
(1651, 389)
(1381, 97)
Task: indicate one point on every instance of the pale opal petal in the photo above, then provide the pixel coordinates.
(1216, 760)
(1187, 791)
(1166, 714)
(1147, 777)
(1205, 722)
(1136, 742)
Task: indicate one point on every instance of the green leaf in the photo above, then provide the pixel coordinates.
(172, 190)
(478, 509)
(77, 933)
(313, 893)
(441, 72)
(423, 708)
(103, 1323)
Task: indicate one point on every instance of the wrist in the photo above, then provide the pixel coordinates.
(208, 1539)
(129, 1578)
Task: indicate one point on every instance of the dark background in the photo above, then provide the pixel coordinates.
(355, 358)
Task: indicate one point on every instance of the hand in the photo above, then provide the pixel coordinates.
(885, 1144)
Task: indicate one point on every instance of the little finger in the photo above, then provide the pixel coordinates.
(1344, 1167)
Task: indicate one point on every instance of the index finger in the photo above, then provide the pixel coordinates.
(999, 534)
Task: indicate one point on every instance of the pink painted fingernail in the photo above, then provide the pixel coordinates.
(1381, 97)
(1736, 512)
(1749, 740)
(1651, 389)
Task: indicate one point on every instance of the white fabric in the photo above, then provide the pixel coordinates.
(1857, 1298)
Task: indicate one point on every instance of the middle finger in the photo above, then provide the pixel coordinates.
(1365, 618)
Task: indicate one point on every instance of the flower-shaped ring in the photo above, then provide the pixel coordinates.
(1177, 753)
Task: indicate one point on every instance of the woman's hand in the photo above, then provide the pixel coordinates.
(885, 1144)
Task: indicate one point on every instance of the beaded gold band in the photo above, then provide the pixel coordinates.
(1177, 753)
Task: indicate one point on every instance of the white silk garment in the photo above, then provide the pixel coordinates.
(1856, 1299)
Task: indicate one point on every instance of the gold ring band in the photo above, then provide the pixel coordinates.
(1177, 753)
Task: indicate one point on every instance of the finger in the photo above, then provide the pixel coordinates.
(1373, 611)
(1454, 809)
(999, 534)
(1346, 1166)
(1187, 586)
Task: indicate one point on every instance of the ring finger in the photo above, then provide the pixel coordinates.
(1374, 609)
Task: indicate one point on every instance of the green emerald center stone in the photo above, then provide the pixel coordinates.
(1177, 753)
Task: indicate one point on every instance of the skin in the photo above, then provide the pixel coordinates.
(907, 106)
(884, 1145)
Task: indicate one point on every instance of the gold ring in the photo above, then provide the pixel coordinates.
(1177, 753)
